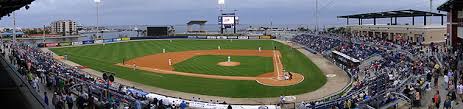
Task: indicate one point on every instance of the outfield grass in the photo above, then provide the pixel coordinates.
(103, 58)
(250, 66)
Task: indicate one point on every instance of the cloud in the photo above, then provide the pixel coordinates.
(127, 12)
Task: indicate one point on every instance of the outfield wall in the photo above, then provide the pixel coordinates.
(114, 40)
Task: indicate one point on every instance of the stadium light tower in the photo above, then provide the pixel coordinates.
(97, 17)
(221, 4)
(14, 27)
(430, 10)
(316, 17)
(221, 9)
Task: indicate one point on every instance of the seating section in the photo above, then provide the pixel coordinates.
(372, 83)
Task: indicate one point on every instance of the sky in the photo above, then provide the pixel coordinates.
(177, 12)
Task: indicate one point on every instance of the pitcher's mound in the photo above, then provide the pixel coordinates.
(228, 64)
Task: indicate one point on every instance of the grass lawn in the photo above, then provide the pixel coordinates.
(103, 58)
(207, 64)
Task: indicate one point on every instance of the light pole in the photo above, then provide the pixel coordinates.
(43, 32)
(234, 22)
(316, 17)
(221, 8)
(97, 17)
(14, 27)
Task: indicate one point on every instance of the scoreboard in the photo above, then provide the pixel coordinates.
(157, 31)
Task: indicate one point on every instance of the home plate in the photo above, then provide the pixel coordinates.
(330, 75)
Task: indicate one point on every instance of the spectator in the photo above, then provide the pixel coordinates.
(436, 100)
(417, 98)
(45, 97)
(446, 82)
(69, 101)
(54, 99)
(183, 105)
(460, 91)
(447, 103)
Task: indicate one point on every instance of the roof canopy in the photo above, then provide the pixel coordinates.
(390, 14)
(8, 6)
(197, 22)
(450, 4)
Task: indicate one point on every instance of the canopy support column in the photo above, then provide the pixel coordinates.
(391, 21)
(424, 20)
(441, 20)
(359, 22)
(347, 20)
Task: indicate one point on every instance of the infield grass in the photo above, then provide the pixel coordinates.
(250, 66)
(103, 58)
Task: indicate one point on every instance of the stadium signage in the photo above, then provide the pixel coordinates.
(88, 42)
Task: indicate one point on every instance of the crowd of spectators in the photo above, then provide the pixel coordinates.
(402, 68)
(359, 48)
(317, 43)
(72, 87)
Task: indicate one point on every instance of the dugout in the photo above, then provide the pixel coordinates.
(345, 60)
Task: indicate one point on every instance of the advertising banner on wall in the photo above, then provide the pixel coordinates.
(253, 37)
(65, 44)
(242, 37)
(125, 39)
(202, 37)
(232, 37)
(76, 43)
(221, 37)
(117, 39)
(191, 37)
(88, 42)
(211, 37)
(108, 40)
(265, 37)
(98, 41)
(51, 44)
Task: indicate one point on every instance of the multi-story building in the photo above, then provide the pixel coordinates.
(64, 27)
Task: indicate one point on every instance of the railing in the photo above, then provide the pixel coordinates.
(26, 89)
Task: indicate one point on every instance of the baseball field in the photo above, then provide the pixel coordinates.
(194, 66)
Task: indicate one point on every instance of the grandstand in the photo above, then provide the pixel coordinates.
(19, 94)
(392, 72)
(386, 66)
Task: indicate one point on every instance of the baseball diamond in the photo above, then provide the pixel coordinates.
(231, 54)
(146, 63)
